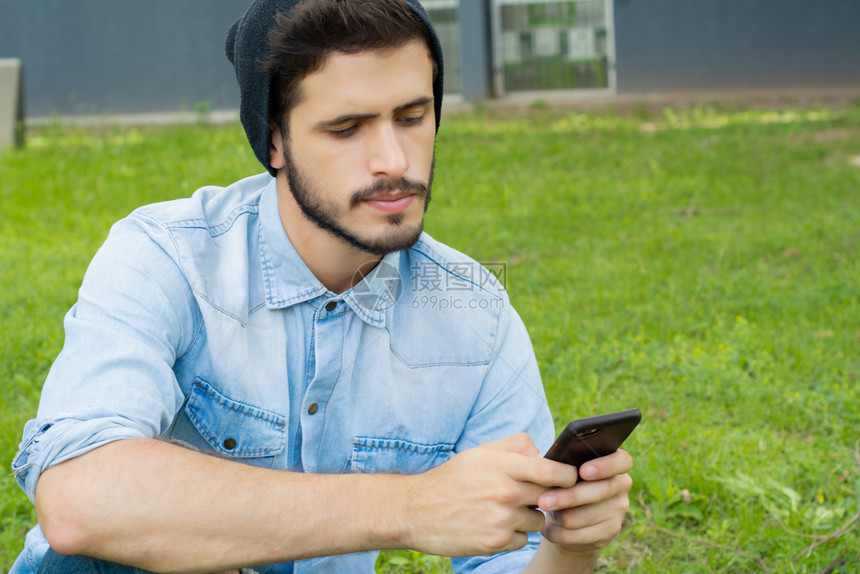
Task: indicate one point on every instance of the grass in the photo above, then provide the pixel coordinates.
(700, 264)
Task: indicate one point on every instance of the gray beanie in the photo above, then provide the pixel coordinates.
(247, 46)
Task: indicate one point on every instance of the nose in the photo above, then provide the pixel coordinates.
(388, 157)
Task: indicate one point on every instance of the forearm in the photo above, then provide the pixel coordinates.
(164, 508)
(552, 559)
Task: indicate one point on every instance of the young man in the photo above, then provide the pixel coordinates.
(250, 378)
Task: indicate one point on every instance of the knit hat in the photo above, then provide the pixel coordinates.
(247, 46)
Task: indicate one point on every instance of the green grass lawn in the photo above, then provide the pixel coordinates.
(702, 265)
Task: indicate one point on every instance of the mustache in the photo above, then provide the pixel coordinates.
(386, 186)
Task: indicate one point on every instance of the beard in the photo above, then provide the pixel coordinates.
(398, 235)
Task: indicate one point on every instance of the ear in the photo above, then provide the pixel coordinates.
(276, 147)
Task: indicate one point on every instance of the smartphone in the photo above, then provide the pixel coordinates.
(592, 437)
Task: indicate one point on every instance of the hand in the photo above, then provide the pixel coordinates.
(589, 515)
(481, 501)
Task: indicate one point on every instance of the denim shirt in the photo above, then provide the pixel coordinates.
(198, 322)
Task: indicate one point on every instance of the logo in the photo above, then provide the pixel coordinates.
(378, 290)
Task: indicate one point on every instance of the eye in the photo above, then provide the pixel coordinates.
(412, 116)
(344, 132)
(412, 120)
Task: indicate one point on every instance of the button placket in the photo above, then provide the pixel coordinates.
(328, 358)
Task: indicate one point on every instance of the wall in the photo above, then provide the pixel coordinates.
(703, 45)
(137, 56)
(111, 56)
(124, 56)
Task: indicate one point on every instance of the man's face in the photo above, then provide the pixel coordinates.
(359, 158)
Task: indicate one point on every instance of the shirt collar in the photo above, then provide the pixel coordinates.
(378, 291)
(288, 281)
(286, 278)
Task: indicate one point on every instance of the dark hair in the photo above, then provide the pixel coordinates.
(301, 40)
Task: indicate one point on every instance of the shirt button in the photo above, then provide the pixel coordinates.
(312, 409)
(330, 306)
(229, 443)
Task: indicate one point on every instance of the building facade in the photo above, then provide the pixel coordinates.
(108, 57)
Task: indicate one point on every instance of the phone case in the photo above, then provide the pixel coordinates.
(592, 437)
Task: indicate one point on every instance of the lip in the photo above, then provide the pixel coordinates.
(395, 202)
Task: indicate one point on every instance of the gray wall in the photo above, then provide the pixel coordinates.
(126, 56)
(131, 56)
(118, 56)
(700, 45)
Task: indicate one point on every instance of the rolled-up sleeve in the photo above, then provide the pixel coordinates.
(114, 379)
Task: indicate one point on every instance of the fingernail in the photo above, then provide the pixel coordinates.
(549, 501)
(587, 471)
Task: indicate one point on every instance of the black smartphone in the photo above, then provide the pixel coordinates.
(592, 437)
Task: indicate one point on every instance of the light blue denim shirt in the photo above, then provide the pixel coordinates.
(198, 322)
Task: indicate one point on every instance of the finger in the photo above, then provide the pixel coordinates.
(520, 443)
(591, 514)
(543, 472)
(530, 520)
(618, 462)
(523, 494)
(585, 493)
(517, 541)
(583, 539)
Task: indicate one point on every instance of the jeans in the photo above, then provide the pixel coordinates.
(54, 563)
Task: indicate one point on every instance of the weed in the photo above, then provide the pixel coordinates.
(703, 268)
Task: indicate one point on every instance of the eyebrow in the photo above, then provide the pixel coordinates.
(328, 124)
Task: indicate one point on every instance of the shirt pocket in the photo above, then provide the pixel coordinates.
(233, 429)
(398, 456)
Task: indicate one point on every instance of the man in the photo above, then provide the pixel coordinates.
(278, 323)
